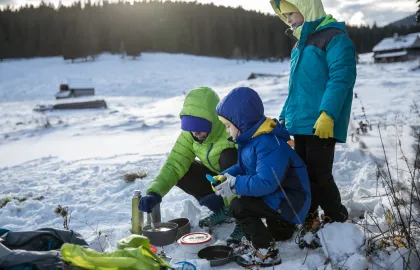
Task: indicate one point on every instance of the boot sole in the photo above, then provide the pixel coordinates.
(241, 262)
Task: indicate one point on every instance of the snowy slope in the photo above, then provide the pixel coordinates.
(78, 161)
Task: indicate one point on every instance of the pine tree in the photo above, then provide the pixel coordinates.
(418, 13)
(90, 31)
(132, 35)
(4, 39)
(122, 49)
(237, 54)
(133, 48)
(70, 51)
(76, 40)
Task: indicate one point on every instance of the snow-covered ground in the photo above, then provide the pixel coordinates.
(78, 160)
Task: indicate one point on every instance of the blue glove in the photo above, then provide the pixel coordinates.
(149, 201)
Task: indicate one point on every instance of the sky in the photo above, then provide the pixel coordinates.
(355, 12)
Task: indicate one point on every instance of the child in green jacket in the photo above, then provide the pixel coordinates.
(204, 137)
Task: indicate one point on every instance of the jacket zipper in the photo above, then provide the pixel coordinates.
(208, 159)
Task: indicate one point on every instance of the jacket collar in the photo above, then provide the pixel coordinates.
(244, 138)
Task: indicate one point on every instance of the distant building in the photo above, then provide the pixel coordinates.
(397, 48)
(76, 88)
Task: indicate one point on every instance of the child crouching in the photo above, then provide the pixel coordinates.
(270, 179)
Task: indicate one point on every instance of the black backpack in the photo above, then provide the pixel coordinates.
(35, 250)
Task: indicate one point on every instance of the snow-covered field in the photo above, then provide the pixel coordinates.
(79, 160)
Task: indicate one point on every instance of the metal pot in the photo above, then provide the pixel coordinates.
(164, 234)
(184, 226)
(216, 255)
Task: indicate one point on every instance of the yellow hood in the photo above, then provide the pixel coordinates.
(266, 127)
(311, 10)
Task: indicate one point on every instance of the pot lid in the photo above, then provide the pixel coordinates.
(195, 238)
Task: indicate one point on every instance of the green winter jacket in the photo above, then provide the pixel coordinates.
(199, 102)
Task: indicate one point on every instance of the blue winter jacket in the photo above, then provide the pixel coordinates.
(323, 72)
(267, 166)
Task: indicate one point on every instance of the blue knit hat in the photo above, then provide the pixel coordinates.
(195, 124)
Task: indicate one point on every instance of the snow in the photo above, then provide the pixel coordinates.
(339, 240)
(76, 83)
(77, 158)
(152, 76)
(399, 259)
(63, 94)
(356, 262)
(398, 42)
(393, 54)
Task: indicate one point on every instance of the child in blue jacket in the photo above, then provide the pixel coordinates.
(270, 179)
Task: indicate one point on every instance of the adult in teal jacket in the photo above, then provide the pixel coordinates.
(317, 109)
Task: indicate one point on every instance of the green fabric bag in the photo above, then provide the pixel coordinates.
(140, 258)
(133, 241)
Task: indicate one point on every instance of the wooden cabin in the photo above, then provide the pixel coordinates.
(76, 88)
(397, 48)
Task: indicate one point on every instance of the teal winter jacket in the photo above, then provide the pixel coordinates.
(322, 74)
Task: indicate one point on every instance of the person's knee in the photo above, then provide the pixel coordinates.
(237, 209)
(228, 158)
(213, 202)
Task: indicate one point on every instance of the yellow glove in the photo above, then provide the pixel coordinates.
(218, 178)
(324, 126)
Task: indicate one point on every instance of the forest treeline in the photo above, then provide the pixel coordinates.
(80, 31)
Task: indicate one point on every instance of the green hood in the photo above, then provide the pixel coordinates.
(201, 102)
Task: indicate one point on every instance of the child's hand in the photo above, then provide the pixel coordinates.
(149, 201)
(220, 178)
(225, 189)
(324, 126)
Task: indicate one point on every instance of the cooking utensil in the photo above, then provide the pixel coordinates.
(152, 224)
(217, 255)
(184, 226)
(164, 233)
